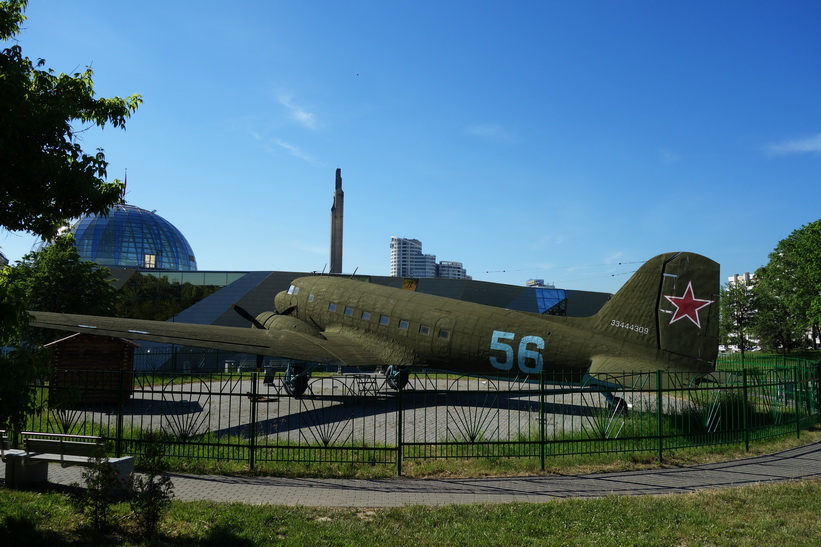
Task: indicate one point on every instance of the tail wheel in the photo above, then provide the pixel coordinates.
(397, 377)
(296, 380)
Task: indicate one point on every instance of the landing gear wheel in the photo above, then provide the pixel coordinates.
(296, 380)
(397, 377)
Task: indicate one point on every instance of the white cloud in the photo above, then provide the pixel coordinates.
(491, 132)
(302, 116)
(294, 151)
(808, 145)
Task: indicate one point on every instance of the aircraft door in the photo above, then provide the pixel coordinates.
(436, 341)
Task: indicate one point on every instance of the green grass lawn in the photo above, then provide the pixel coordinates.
(784, 514)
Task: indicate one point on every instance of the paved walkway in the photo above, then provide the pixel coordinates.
(794, 464)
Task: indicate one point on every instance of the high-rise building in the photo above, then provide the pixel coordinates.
(451, 270)
(407, 260)
(744, 278)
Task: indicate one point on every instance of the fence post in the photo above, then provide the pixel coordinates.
(797, 391)
(541, 420)
(252, 427)
(658, 417)
(118, 443)
(399, 422)
(744, 418)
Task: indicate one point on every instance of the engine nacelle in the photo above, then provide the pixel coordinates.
(274, 321)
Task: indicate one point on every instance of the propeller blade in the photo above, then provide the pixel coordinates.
(247, 316)
(288, 311)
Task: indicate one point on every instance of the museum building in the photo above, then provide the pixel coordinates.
(131, 237)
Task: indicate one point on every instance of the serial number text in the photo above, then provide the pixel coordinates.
(629, 326)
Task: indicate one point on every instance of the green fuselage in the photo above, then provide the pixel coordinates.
(455, 335)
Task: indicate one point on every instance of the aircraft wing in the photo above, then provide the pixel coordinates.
(333, 348)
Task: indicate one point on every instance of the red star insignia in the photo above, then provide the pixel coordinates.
(687, 306)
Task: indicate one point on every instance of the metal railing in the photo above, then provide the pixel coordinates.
(357, 418)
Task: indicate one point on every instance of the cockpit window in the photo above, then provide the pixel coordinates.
(293, 289)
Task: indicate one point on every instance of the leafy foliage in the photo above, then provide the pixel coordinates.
(737, 315)
(46, 178)
(57, 279)
(776, 327)
(19, 367)
(150, 493)
(156, 298)
(787, 293)
(102, 484)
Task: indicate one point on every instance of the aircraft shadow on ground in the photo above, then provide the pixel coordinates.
(355, 408)
(144, 407)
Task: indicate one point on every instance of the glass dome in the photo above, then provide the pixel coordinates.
(132, 237)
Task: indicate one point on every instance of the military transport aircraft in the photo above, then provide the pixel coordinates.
(664, 318)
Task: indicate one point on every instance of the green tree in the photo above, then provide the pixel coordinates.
(53, 279)
(57, 279)
(791, 279)
(21, 365)
(776, 327)
(45, 177)
(737, 314)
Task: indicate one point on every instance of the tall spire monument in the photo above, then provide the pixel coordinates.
(336, 225)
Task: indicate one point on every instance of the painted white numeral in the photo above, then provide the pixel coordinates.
(530, 360)
(507, 363)
(533, 354)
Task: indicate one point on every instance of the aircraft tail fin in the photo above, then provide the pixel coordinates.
(670, 304)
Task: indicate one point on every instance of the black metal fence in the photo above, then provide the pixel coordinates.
(355, 417)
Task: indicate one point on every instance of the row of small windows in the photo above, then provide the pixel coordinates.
(385, 320)
(366, 316)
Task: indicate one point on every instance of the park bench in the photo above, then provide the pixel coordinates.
(30, 465)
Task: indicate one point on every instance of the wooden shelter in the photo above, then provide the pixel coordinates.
(90, 369)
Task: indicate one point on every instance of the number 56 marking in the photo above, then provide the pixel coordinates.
(530, 360)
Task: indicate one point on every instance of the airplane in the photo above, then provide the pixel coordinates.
(665, 317)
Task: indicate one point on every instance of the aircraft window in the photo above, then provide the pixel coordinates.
(424, 329)
(403, 324)
(384, 319)
(311, 298)
(293, 289)
(348, 311)
(366, 316)
(444, 333)
(331, 307)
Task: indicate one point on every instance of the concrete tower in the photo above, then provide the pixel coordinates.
(336, 225)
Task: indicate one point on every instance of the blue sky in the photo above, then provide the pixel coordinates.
(567, 141)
